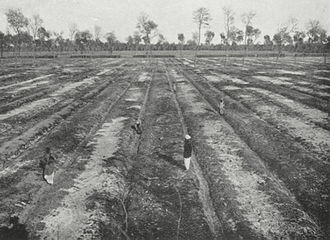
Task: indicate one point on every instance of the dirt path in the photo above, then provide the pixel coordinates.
(72, 217)
(29, 130)
(251, 177)
(64, 140)
(313, 97)
(315, 138)
(304, 176)
(204, 190)
(165, 200)
(26, 82)
(252, 202)
(135, 188)
(76, 216)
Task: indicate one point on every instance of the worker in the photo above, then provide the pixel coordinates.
(48, 166)
(187, 151)
(221, 106)
(137, 127)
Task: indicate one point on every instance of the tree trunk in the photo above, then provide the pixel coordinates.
(181, 49)
(279, 52)
(34, 51)
(199, 40)
(19, 47)
(226, 53)
(199, 34)
(149, 49)
(245, 46)
(148, 46)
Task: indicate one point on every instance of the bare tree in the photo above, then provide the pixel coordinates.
(228, 37)
(97, 32)
(17, 22)
(202, 17)
(58, 40)
(283, 35)
(247, 21)
(250, 33)
(148, 30)
(2, 43)
(292, 24)
(229, 17)
(137, 39)
(317, 34)
(181, 39)
(194, 37)
(129, 42)
(161, 41)
(83, 39)
(97, 35)
(111, 39)
(298, 39)
(34, 24)
(281, 38)
(73, 29)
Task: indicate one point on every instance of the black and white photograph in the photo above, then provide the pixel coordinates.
(164, 119)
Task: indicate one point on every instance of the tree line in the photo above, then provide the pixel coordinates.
(30, 34)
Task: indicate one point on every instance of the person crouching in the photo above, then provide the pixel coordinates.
(187, 151)
(137, 127)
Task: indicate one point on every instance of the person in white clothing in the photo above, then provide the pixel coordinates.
(187, 151)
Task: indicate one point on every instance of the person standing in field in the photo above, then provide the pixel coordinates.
(43, 161)
(221, 106)
(48, 166)
(174, 85)
(187, 151)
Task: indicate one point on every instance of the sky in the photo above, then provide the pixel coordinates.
(172, 16)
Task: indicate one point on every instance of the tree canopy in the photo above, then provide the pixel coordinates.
(30, 33)
(16, 20)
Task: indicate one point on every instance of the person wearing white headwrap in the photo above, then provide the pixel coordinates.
(187, 151)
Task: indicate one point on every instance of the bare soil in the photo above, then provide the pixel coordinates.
(259, 171)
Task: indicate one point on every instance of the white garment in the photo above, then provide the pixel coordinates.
(187, 162)
(50, 178)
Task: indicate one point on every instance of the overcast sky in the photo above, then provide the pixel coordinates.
(172, 16)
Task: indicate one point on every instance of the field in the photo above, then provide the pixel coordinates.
(260, 171)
